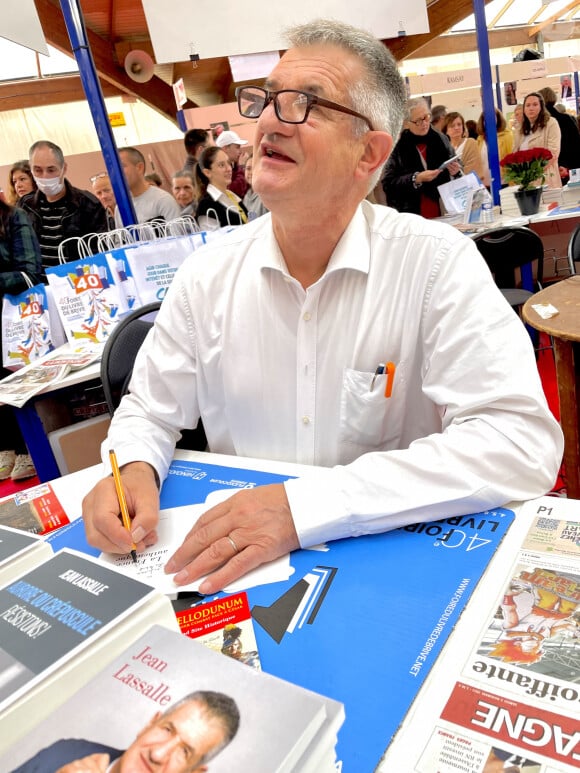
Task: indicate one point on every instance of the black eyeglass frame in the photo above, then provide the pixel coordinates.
(311, 100)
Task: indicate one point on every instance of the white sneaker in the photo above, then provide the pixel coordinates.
(23, 468)
(7, 459)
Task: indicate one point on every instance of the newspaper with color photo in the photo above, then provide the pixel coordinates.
(515, 703)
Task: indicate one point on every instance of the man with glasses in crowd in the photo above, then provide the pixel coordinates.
(329, 332)
(414, 170)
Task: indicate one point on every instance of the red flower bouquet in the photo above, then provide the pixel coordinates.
(524, 167)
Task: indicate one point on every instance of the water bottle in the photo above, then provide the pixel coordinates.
(487, 212)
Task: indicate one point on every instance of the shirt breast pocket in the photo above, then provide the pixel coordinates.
(370, 421)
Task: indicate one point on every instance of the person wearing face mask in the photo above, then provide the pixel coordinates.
(57, 209)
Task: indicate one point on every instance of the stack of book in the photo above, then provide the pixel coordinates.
(168, 697)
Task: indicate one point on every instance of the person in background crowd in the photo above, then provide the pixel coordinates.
(277, 334)
(471, 127)
(464, 146)
(540, 130)
(517, 118)
(438, 114)
(103, 190)
(413, 171)
(232, 144)
(184, 191)
(154, 179)
(20, 267)
(195, 141)
(58, 210)
(151, 203)
(20, 181)
(505, 141)
(252, 202)
(569, 157)
(213, 175)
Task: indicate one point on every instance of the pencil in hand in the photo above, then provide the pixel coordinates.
(122, 501)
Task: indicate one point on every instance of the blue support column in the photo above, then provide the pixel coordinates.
(487, 97)
(74, 21)
(181, 121)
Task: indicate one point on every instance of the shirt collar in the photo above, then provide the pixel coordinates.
(352, 251)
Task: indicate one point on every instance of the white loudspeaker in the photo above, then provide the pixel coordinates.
(139, 66)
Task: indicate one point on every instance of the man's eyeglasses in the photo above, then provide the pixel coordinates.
(422, 120)
(290, 106)
(98, 176)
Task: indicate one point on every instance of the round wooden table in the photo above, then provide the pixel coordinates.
(564, 328)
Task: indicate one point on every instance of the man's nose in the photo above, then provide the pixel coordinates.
(269, 123)
(163, 750)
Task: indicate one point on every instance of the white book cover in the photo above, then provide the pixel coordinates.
(234, 717)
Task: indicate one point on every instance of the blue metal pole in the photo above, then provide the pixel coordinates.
(487, 97)
(181, 121)
(74, 21)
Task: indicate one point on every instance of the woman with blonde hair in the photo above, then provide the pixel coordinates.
(505, 139)
(20, 181)
(465, 147)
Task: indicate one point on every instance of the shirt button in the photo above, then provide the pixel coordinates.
(306, 316)
(306, 420)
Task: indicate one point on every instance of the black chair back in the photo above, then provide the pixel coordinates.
(120, 352)
(507, 249)
(117, 366)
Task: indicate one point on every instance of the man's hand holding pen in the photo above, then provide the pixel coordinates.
(249, 529)
(101, 511)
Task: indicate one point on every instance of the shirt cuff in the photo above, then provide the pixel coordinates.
(317, 507)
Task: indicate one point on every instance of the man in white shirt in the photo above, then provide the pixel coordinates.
(150, 202)
(330, 332)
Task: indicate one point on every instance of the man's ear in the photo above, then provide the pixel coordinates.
(377, 148)
(64, 169)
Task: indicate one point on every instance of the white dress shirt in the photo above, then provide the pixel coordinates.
(279, 372)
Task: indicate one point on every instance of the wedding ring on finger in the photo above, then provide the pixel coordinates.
(233, 544)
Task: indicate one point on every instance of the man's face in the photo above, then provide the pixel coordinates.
(419, 121)
(175, 743)
(182, 191)
(134, 173)
(233, 152)
(44, 164)
(104, 192)
(313, 163)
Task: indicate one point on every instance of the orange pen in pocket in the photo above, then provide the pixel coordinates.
(390, 371)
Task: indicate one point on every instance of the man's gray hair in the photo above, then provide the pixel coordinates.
(380, 96)
(215, 705)
(58, 154)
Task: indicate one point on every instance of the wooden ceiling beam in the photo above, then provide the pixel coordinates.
(554, 17)
(466, 42)
(39, 92)
(155, 93)
(442, 15)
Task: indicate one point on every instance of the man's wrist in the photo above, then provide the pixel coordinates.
(142, 467)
